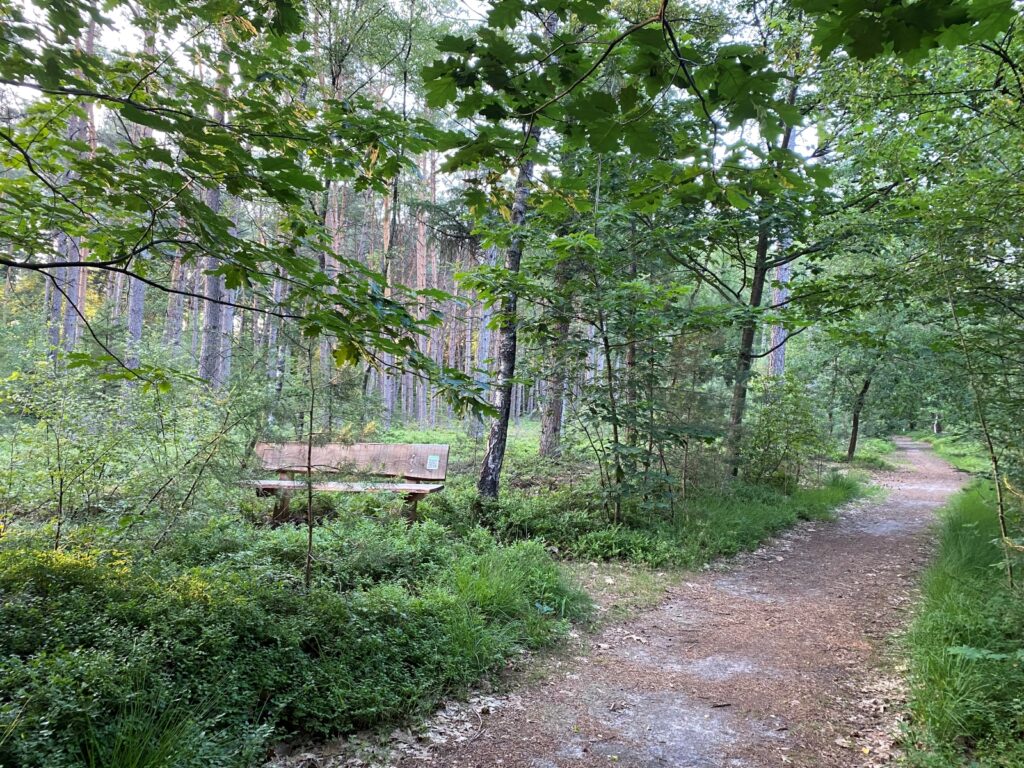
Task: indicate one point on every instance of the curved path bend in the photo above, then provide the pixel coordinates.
(779, 659)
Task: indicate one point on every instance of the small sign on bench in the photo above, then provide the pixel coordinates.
(421, 467)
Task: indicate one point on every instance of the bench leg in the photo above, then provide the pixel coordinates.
(412, 500)
(282, 506)
(284, 499)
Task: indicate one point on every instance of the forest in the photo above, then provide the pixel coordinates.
(638, 286)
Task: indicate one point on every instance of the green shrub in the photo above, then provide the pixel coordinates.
(784, 435)
(708, 525)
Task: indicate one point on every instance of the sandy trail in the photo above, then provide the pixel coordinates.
(779, 660)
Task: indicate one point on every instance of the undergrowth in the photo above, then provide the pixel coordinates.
(734, 518)
(966, 647)
(200, 651)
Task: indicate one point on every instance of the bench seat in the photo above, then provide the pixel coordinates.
(297, 485)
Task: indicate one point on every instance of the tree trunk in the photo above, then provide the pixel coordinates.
(630, 389)
(213, 291)
(175, 306)
(54, 311)
(746, 351)
(494, 457)
(780, 294)
(483, 348)
(554, 382)
(858, 407)
(136, 307)
(227, 340)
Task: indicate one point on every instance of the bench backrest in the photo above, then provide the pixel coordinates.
(413, 461)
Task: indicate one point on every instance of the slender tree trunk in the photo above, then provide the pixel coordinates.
(195, 312)
(388, 381)
(858, 407)
(115, 290)
(746, 352)
(613, 413)
(554, 384)
(80, 129)
(213, 291)
(780, 293)
(136, 307)
(227, 333)
(175, 306)
(494, 457)
(421, 255)
(483, 348)
(54, 311)
(630, 389)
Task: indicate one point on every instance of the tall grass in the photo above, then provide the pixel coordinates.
(966, 647)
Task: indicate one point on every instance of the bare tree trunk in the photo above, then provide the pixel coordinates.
(54, 311)
(227, 341)
(388, 381)
(136, 307)
(115, 290)
(421, 255)
(213, 290)
(780, 293)
(195, 312)
(273, 325)
(175, 306)
(494, 457)
(70, 246)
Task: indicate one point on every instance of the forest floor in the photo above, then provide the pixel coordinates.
(779, 657)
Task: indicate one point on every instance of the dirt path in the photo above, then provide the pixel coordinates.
(778, 660)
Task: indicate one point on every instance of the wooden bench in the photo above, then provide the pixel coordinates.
(422, 468)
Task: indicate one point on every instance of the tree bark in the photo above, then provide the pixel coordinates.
(780, 294)
(858, 407)
(494, 457)
(746, 352)
(54, 309)
(175, 306)
(227, 337)
(483, 349)
(554, 382)
(136, 308)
